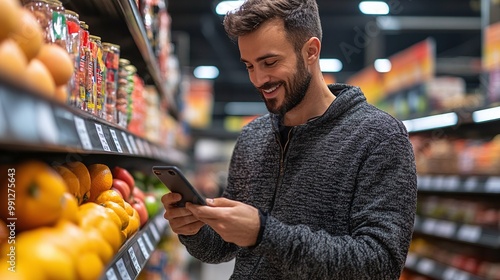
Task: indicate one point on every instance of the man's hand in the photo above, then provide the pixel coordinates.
(181, 220)
(234, 221)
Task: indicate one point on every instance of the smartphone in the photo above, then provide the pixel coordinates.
(174, 180)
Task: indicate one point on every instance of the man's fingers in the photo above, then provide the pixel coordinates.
(221, 202)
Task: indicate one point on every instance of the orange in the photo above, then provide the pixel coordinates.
(19, 274)
(61, 94)
(40, 191)
(47, 259)
(128, 208)
(72, 182)
(134, 224)
(70, 208)
(4, 233)
(13, 62)
(28, 34)
(110, 195)
(89, 266)
(97, 244)
(101, 179)
(83, 175)
(10, 11)
(114, 217)
(57, 61)
(120, 211)
(39, 79)
(95, 216)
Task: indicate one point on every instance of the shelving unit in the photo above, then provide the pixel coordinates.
(437, 270)
(34, 126)
(134, 254)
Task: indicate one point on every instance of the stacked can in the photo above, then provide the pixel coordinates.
(123, 92)
(111, 57)
(73, 22)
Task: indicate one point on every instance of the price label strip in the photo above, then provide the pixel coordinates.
(471, 184)
(148, 242)
(129, 148)
(469, 233)
(122, 270)
(143, 248)
(115, 140)
(45, 120)
(111, 275)
(154, 231)
(493, 185)
(426, 266)
(133, 257)
(102, 138)
(81, 129)
(132, 143)
(140, 147)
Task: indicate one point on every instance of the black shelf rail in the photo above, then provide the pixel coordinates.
(437, 270)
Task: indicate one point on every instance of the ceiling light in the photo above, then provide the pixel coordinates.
(431, 122)
(374, 8)
(206, 72)
(330, 65)
(382, 65)
(226, 6)
(486, 115)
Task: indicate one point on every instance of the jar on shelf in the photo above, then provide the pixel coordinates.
(73, 23)
(122, 93)
(111, 57)
(58, 27)
(131, 70)
(99, 71)
(43, 14)
(83, 68)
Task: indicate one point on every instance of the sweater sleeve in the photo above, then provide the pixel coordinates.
(382, 215)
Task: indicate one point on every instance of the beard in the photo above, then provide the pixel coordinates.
(295, 90)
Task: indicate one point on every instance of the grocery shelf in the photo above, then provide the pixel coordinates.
(120, 22)
(459, 184)
(472, 234)
(436, 270)
(134, 254)
(28, 121)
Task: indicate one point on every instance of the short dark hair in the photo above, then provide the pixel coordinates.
(301, 19)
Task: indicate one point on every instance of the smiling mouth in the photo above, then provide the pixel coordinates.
(272, 89)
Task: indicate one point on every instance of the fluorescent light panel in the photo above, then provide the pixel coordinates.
(374, 8)
(330, 65)
(431, 122)
(382, 65)
(226, 6)
(206, 72)
(486, 115)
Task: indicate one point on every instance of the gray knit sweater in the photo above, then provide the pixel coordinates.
(341, 201)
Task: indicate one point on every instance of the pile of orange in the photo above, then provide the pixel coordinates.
(70, 225)
(26, 58)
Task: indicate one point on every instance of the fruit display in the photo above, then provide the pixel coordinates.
(64, 229)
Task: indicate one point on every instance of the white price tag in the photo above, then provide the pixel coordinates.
(148, 149)
(148, 242)
(451, 183)
(110, 274)
(470, 184)
(3, 121)
(140, 147)
(469, 233)
(81, 129)
(423, 182)
(143, 248)
(133, 257)
(132, 143)
(426, 266)
(47, 128)
(115, 140)
(156, 235)
(102, 138)
(493, 185)
(129, 148)
(450, 273)
(437, 183)
(122, 270)
(429, 226)
(445, 228)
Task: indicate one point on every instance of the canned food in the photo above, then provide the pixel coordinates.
(73, 22)
(98, 70)
(111, 57)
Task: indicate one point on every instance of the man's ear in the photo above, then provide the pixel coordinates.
(312, 50)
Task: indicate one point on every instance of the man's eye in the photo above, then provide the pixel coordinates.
(248, 67)
(270, 63)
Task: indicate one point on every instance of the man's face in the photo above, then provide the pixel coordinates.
(275, 68)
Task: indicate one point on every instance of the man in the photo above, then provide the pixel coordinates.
(322, 187)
